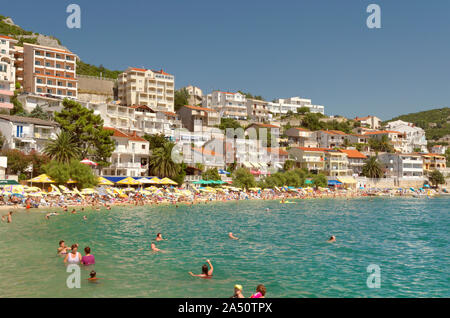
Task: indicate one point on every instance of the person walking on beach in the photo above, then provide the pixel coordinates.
(205, 272)
(88, 258)
(8, 217)
(74, 257)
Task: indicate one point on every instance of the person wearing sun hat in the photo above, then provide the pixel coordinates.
(237, 292)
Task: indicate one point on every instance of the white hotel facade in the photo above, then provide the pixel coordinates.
(7, 71)
(229, 105)
(284, 105)
(156, 89)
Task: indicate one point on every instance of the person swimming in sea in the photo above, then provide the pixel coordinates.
(206, 273)
(260, 292)
(159, 237)
(93, 277)
(237, 292)
(154, 248)
(48, 215)
(332, 239)
(231, 236)
(84, 217)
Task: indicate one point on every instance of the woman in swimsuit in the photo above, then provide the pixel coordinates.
(74, 257)
(62, 249)
(205, 272)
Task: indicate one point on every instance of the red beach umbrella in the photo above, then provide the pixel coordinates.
(88, 162)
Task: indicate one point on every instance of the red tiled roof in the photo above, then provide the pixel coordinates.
(120, 134)
(277, 150)
(352, 153)
(206, 152)
(264, 125)
(200, 108)
(170, 114)
(312, 149)
(139, 69)
(334, 132)
(6, 37)
(362, 118)
(301, 129)
(382, 132)
(161, 72)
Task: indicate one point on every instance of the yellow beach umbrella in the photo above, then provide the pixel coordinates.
(71, 181)
(55, 189)
(89, 191)
(154, 180)
(104, 181)
(43, 178)
(128, 181)
(32, 189)
(168, 181)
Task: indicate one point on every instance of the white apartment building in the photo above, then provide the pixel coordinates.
(137, 86)
(229, 105)
(49, 71)
(26, 133)
(284, 105)
(439, 149)
(140, 119)
(7, 71)
(372, 122)
(402, 165)
(130, 157)
(396, 138)
(195, 95)
(330, 138)
(415, 136)
(301, 137)
(258, 110)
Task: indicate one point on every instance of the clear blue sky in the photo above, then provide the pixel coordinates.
(319, 49)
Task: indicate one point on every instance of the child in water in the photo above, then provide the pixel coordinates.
(260, 292)
(93, 277)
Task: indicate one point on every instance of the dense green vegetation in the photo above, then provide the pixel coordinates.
(92, 70)
(181, 98)
(250, 96)
(293, 178)
(12, 30)
(435, 122)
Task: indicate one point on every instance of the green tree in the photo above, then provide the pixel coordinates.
(381, 145)
(38, 161)
(179, 178)
(64, 148)
(18, 109)
(181, 98)
(156, 141)
(229, 123)
(62, 172)
(161, 163)
(288, 165)
(303, 110)
(91, 138)
(38, 112)
(243, 178)
(211, 174)
(436, 178)
(311, 121)
(17, 161)
(320, 180)
(372, 168)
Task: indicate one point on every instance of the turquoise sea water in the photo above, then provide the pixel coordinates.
(283, 248)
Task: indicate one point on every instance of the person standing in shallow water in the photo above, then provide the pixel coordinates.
(88, 258)
(206, 273)
(8, 217)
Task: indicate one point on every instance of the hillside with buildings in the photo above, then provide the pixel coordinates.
(435, 122)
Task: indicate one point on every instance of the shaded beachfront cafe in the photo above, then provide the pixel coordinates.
(342, 181)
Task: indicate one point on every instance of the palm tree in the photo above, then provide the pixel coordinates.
(372, 168)
(161, 163)
(63, 148)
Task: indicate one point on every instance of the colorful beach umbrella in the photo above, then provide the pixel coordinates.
(88, 162)
(43, 178)
(128, 181)
(104, 181)
(168, 181)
